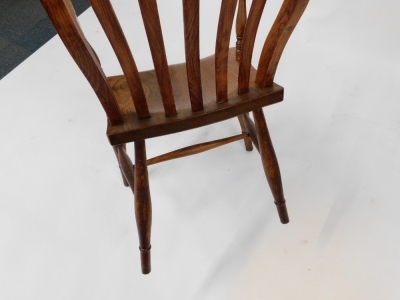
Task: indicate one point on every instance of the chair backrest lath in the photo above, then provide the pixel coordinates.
(256, 10)
(287, 19)
(241, 20)
(108, 20)
(66, 23)
(226, 17)
(151, 21)
(192, 50)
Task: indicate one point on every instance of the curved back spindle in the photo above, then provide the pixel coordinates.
(227, 13)
(192, 50)
(63, 17)
(108, 20)
(151, 21)
(287, 19)
(250, 31)
(241, 20)
(66, 23)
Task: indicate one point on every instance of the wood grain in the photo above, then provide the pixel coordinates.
(195, 93)
(287, 19)
(241, 21)
(65, 22)
(247, 140)
(108, 20)
(249, 36)
(192, 51)
(143, 210)
(227, 13)
(151, 21)
(251, 129)
(270, 164)
(159, 124)
(195, 149)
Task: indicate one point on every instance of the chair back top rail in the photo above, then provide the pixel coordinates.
(63, 17)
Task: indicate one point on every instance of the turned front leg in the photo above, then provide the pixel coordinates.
(142, 204)
(270, 164)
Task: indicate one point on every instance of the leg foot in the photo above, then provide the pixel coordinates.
(270, 164)
(283, 213)
(145, 260)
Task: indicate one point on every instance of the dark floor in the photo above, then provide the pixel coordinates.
(24, 28)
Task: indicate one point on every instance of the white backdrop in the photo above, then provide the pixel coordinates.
(67, 228)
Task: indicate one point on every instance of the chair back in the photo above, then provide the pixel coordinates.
(63, 17)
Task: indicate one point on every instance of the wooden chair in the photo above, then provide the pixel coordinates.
(170, 99)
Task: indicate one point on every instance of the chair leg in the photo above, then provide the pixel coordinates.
(270, 164)
(142, 204)
(247, 140)
(116, 154)
(138, 180)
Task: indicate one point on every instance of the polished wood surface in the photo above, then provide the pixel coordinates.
(195, 149)
(249, 37)
(270, 164)
(251, 129)
(143, 205)
(160, 124)
(222, 48)
(66, 23)
(241, 20)
(192, 50)
(287, 19)
(151, 21)
(175, 98)
(247, 140)
(108, 20)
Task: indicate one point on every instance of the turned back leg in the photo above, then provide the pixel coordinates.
(138, 180)
(270, 164)
(143, 205)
